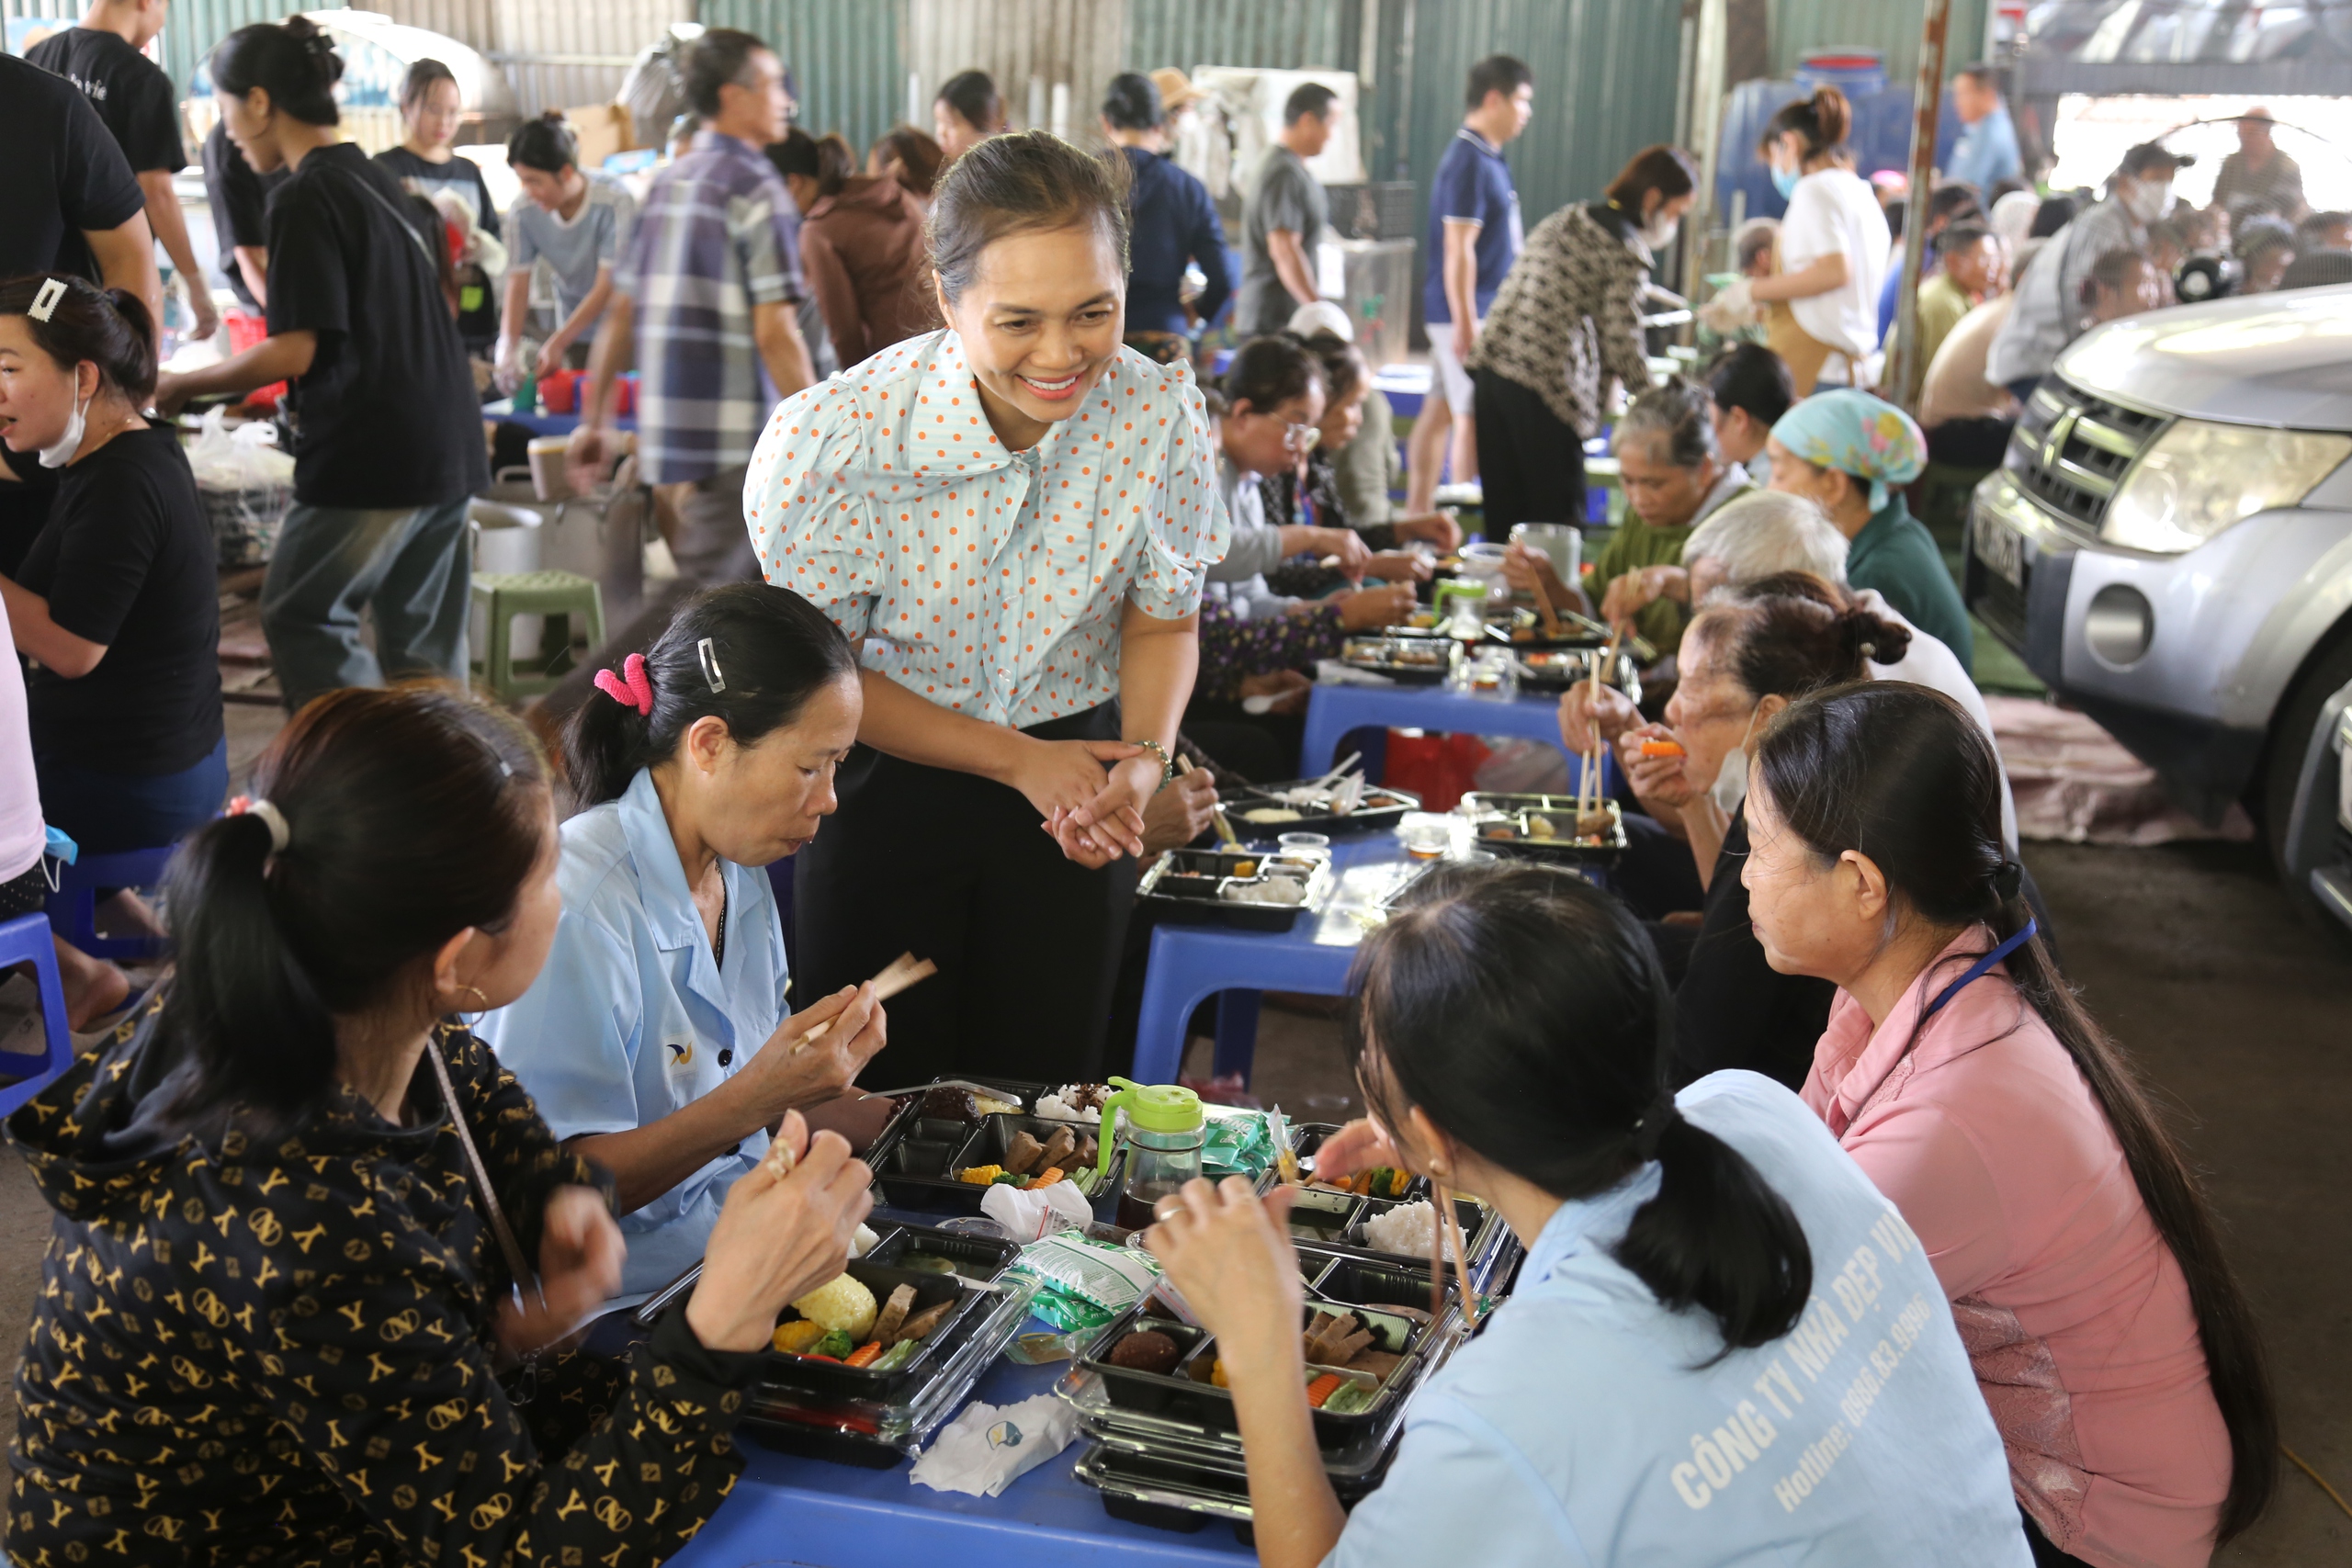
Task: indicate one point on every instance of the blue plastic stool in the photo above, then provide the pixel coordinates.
(73, 909)
(25, 940)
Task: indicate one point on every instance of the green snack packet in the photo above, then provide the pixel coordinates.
(1235, 1142)
(1087, 1283)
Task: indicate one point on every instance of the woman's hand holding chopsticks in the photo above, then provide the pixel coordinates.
(1229, 1251)
(818, 1051)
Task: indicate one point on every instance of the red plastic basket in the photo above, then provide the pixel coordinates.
(249, 331)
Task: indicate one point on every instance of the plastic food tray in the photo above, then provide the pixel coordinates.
(1555, 667)
(1187, 1394)
(916, 1160)
(1508, 816)
(1383, 808)
(1402, 658)
(1194, 886)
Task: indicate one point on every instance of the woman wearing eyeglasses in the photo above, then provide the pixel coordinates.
(1255, 641)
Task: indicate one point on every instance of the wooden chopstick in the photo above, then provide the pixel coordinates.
(1223, 828)
(1452, 1229)
(1437, 1261)
(1551, 618)
(904, 971)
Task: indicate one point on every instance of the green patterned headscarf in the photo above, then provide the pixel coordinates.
(1856, 433)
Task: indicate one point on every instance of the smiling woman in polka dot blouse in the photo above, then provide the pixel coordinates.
(1013, 518)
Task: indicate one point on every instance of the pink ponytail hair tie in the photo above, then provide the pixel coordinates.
(630, 688)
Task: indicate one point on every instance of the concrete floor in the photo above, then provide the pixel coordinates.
(2240, 1015)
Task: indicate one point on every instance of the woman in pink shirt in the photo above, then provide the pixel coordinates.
(2116, 1350)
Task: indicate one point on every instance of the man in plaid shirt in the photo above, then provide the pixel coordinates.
(710, 287)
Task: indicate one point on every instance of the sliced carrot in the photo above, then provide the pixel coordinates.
(1323, 1388)
(865, 1354)
(1050, 1175)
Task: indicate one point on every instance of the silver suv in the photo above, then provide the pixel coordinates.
(2168, 544)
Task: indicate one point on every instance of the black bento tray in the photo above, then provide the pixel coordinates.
(1189, 886)
(1380, 653)
(1556, 666)
(1195, 1400)
(1366, 818)
(835, 1381)
(916, 1159)
(1488, 811)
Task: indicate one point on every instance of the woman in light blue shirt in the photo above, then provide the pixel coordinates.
(1724, 1345)
(656, 1040)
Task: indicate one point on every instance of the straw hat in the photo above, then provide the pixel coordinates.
(1176, 89)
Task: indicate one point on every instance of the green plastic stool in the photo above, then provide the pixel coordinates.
(559, 596)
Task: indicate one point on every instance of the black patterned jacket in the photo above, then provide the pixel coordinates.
(257, 1346)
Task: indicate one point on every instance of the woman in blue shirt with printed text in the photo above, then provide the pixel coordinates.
(656, 1040)
(1724, 1347)
(1013, 518)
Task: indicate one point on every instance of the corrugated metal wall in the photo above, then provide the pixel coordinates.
(844, 56)
(1185, 33)
(194, 26)
(1891, 27)
(1025, 45)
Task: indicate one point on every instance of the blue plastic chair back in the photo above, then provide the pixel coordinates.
(73, 909)
(25, 940)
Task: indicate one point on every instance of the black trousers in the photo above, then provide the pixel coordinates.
(1531, 464)
(1970, 443)
(954, 868)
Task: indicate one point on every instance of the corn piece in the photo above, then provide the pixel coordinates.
(980, 1175)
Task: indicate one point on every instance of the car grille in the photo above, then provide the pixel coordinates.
(2000, 606)
(2071, 451)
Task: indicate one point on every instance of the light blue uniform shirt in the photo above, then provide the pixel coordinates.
(633, 1019)
(1584, 1428)
(1986, 153)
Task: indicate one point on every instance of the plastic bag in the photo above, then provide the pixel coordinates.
(1087, 1283)
(247, 482)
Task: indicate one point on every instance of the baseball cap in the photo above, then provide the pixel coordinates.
(1321, 317)
(2150, 155)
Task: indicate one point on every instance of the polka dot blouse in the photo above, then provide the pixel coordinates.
(986, 580)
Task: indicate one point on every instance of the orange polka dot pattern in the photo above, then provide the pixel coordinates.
(987, 580)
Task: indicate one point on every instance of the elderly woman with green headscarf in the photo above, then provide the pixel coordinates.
(1847, 452)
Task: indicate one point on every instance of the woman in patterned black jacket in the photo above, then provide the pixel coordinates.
(274, 1306)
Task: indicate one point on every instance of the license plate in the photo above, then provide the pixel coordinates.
(2001, 549)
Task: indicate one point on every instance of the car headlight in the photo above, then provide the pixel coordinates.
(2199, 479)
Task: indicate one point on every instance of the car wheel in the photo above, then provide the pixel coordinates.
(2284, 761)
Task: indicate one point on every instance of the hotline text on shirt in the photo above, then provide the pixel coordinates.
(1818, 1345)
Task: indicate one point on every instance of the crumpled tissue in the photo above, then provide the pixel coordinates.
(1037, 1212)
(990, 1447)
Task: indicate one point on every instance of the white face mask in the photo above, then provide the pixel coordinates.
(1730, 787)
(2149, 200)
(1657, 236)
(58, 453)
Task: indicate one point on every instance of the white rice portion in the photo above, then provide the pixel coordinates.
(1410, 1230)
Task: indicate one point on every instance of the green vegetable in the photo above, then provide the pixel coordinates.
(897, 1356)
(1006, 1178)
(835, 1344)
(1350, 1398)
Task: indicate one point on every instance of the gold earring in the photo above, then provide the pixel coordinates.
(479, 996)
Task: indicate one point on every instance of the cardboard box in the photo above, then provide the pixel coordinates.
(602, 129)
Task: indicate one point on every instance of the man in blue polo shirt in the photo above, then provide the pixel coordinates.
(1475, 235)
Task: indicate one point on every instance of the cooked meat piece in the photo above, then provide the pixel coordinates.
(1333, 1340)
(1058, 1148)
(951, 1105)
(893, 1313)
(1379, 1363)
(920, 1326)
(1090, 1152)
(1149, 1351)
(1022, 1156)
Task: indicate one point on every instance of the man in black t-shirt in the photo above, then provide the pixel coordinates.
(68, 203)
(240, 200)
(133, 97)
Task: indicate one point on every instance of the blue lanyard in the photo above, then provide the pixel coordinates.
(1976, 970)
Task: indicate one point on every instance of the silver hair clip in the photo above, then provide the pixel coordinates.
(710, 670)
(45, 302)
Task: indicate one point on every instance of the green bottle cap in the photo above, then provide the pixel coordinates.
(1150, 1108)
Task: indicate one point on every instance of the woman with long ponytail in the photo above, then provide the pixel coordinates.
(2076, 1245)
(657, 1040)
(1722, 1340)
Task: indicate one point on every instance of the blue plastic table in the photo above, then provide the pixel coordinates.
(1190, 964)
(1332, 711)
(787, 1509)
